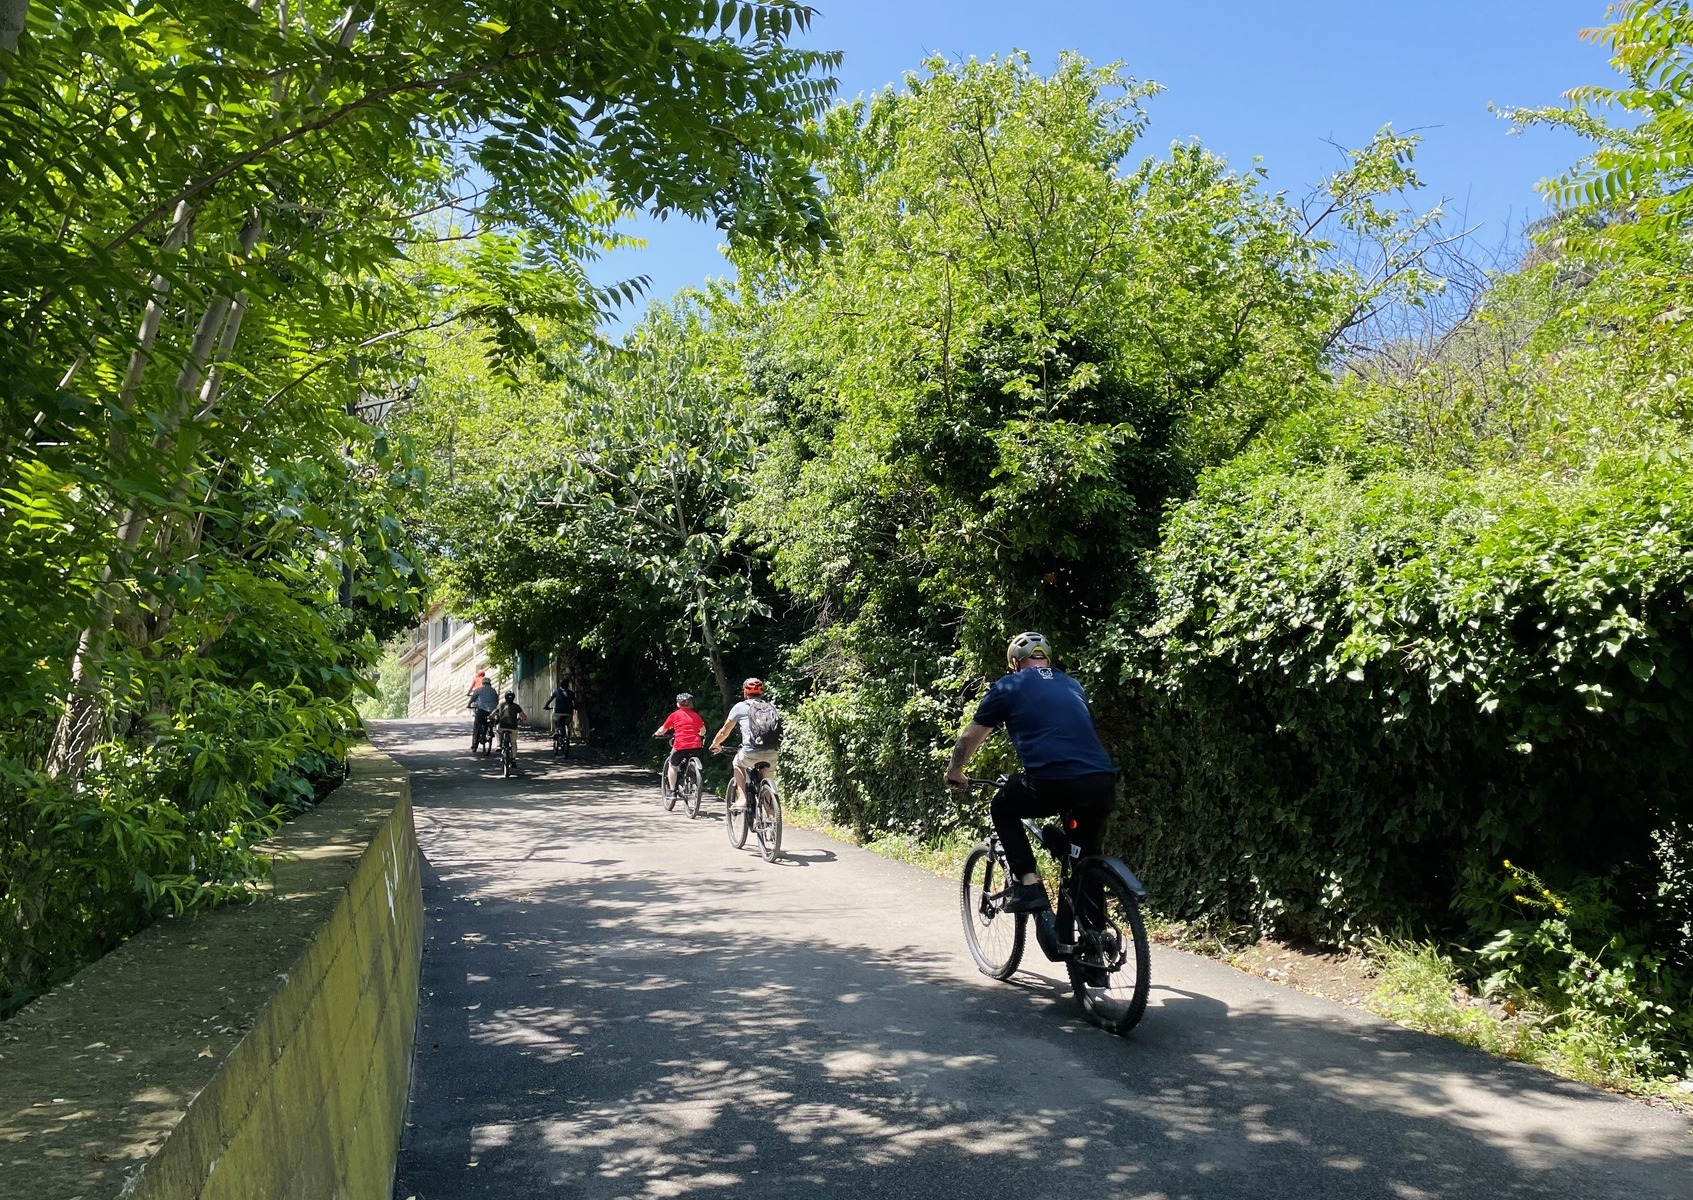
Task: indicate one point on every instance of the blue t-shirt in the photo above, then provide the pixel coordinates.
(1046, 714)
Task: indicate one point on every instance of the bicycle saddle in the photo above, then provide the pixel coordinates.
(1056, 839)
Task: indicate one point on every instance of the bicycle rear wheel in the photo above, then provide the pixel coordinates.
(508, 759)
(995, 937)
(768, 821)
(1110, 971)
(688, 783)
(736, 819)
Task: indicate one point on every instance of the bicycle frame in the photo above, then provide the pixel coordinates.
(1096, 929)
(1055, 930)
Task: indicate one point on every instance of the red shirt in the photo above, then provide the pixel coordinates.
(689, 728)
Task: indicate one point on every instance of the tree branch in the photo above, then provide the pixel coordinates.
(333, 118)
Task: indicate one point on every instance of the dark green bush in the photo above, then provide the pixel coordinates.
(1367, 692)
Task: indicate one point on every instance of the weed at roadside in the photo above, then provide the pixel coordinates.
(1421, 988)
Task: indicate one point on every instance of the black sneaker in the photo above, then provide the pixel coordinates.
(1026, 898)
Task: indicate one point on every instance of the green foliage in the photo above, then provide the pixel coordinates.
(1020, 351)
(220, 244)
(1580, 959)
(1362, 685)
(1645, 164)
(392, 694)
(594, 511)
(1426, 989)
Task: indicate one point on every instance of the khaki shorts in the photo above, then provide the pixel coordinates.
(745, 758)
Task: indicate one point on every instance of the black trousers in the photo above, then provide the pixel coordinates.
(1087, 799)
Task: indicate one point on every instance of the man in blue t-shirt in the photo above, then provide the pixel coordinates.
(1065, 768)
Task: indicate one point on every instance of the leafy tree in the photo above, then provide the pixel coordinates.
(215, 225)
(1645, 164)
(1420, 657)
(1021, 349)
(595, 509)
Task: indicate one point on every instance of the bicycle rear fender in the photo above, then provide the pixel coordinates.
(1121, 868)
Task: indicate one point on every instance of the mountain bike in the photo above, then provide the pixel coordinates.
(763, 817)
(1097, 931)
(482, 735)
(508, 751)
(561, 734)
(690, 786)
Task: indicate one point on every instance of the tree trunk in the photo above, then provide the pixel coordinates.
(712, 649)
(78, 726)
(12, 14)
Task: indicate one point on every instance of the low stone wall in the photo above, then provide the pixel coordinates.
(247, 1053)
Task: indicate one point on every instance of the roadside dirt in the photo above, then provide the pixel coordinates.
(1343, 978)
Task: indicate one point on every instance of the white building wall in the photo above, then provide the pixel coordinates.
(444, 658)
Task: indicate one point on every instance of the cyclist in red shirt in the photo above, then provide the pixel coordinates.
(687, 728)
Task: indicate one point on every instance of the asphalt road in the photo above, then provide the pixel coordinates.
(617, 1004)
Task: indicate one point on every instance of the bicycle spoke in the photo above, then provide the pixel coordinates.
(995, 937)
(1109, 972)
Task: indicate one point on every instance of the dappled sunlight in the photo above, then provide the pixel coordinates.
(680, 1019)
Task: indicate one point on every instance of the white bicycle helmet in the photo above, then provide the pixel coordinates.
(1025, 646)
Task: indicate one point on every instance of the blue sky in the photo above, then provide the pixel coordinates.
(1273, 80)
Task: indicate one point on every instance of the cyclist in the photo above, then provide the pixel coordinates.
(562, 703)
(484, 699)
(688, 730)
(1066, 770)
(761, 733)
(509, 713)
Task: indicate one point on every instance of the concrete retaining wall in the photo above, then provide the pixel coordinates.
(247, 1053)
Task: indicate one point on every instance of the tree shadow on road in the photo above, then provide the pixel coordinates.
(647, 1052)
(595, 1028)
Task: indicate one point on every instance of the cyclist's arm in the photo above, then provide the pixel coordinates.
(717, 742)
(964, 749)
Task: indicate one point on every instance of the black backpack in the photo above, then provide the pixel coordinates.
(764, 725)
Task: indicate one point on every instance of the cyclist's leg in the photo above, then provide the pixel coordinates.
(1087, 802)
(1016, 800)
(744, 762)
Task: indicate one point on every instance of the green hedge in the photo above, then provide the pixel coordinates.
(1365, 694)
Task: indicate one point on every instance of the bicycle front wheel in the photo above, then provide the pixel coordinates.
(995, 937)
(688, 783)
(1109, 971)
(736, 820)
(768, 823)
